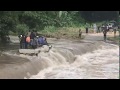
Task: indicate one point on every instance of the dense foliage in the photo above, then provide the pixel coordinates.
(22, 21)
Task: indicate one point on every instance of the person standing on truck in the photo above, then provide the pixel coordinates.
(27, 41)
(32, 36)
(23, 42)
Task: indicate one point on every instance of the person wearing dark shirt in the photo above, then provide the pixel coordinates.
(80, 33)
(87, 30)
(98, 29)
(32, 41)
(105, 34)
(23, 41)
(20, 37)
(32, 35)
(114, 33)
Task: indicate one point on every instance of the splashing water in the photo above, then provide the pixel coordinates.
(99, 64)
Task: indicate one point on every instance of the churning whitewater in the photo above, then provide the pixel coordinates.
(98, 64)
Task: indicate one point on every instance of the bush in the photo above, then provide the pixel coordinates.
(22, 28)
(50, 28)
(12, 33)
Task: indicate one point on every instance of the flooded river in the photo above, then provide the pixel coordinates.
(68, 59)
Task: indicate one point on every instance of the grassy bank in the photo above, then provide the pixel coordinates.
(64, 32)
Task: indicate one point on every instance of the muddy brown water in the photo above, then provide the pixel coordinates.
(13, 66)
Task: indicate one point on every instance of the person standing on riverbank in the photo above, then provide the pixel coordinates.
(95, 28)
(80, 33)
(114, 33)
(86, 30)
(98, 29)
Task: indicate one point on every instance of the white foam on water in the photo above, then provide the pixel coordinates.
(99, 64)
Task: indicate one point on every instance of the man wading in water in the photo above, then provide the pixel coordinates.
(105, 33)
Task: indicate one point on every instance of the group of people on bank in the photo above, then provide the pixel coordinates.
(100, 28)
(32, 40)
(103, 28)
